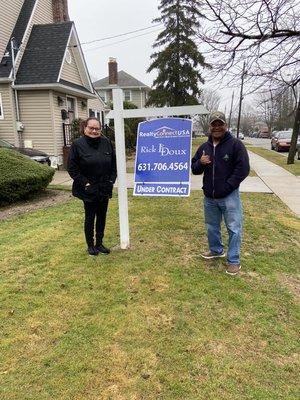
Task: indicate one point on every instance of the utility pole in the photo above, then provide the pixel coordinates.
(230, 112)
(240, 102)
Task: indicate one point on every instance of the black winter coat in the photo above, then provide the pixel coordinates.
(228, 168)
(92, 161)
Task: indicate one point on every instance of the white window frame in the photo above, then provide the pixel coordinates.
(130, 95)
(75, 105)
(97, 113)
(1, 107)
(68, 56)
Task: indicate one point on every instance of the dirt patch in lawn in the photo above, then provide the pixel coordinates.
(292, 283)
(46, 198)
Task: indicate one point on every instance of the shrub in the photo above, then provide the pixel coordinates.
(21, 177)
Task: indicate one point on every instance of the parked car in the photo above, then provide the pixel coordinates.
(264, 134)
(34, 154)
(282, 141)
(241, 135)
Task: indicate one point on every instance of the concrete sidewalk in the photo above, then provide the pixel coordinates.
(271, 179)
(281, 182)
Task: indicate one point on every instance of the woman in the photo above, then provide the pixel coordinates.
(92, 165)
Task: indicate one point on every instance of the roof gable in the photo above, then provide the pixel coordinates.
(17, 34)
(124, 80)
(44, 54)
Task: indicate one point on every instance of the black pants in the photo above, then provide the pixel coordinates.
(95, 211)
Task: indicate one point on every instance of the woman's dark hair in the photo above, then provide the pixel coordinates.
(84, 123)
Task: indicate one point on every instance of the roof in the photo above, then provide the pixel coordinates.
(124, 80)
(17, 34)
(74, 85)
(44, 54)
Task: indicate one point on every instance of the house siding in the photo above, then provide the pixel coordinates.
(82, 111)
(10, 11)
(36, 115)
(7, 125)
(57, 123)
(95, 104)
(70, 71)
(42, 15)
(136, 97)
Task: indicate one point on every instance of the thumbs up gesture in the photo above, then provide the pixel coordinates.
(205, 158)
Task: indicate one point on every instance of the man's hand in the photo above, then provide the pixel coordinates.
(205, 159)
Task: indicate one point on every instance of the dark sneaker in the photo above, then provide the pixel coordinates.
(92, 251)
(208, 255)
(233, 269)
(102, 249)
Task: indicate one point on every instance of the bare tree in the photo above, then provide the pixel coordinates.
(266, 108)
(262, 33)
(211, 100)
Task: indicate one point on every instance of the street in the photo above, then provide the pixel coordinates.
(264, 143)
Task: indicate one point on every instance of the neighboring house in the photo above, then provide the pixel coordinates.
(44, 81)
(133, 90)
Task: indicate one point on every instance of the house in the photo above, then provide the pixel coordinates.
(134, 90)
(44, 80)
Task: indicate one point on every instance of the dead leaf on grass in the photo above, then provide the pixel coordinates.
(134, 283)
(159, 284)
(155, 317)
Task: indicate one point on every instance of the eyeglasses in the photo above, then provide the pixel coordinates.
(91, 128)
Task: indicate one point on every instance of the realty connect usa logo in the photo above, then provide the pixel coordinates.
(165, 131)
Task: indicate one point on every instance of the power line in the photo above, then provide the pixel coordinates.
(98, 40)
(121, 34)
(120, 41)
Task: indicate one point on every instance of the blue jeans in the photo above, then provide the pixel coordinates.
(229, 207)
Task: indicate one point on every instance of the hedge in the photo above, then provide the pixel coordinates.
(20, 177)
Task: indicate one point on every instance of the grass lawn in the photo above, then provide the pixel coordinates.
(153, 322)
(277, 159)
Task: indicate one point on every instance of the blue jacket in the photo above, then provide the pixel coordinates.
(228, 168)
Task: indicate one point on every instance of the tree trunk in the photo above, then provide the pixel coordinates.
(296, 130)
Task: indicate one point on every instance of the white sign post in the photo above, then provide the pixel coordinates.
(118, 114)
(121, 167)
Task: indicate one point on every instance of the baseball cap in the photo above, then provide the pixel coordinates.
(217, 116)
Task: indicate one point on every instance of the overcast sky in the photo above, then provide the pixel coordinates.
(96, 19)
(100, 19)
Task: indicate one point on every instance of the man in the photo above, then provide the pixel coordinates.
(225, 163)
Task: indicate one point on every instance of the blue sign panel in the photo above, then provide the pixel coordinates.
(162, 164)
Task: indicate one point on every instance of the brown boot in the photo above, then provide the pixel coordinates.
(233, 269)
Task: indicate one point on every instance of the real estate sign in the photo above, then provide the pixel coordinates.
(162, 164)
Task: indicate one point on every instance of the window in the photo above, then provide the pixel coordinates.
(127, 95)
(94, 113)
(1, 108)
(68, 56)
(71, 109)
